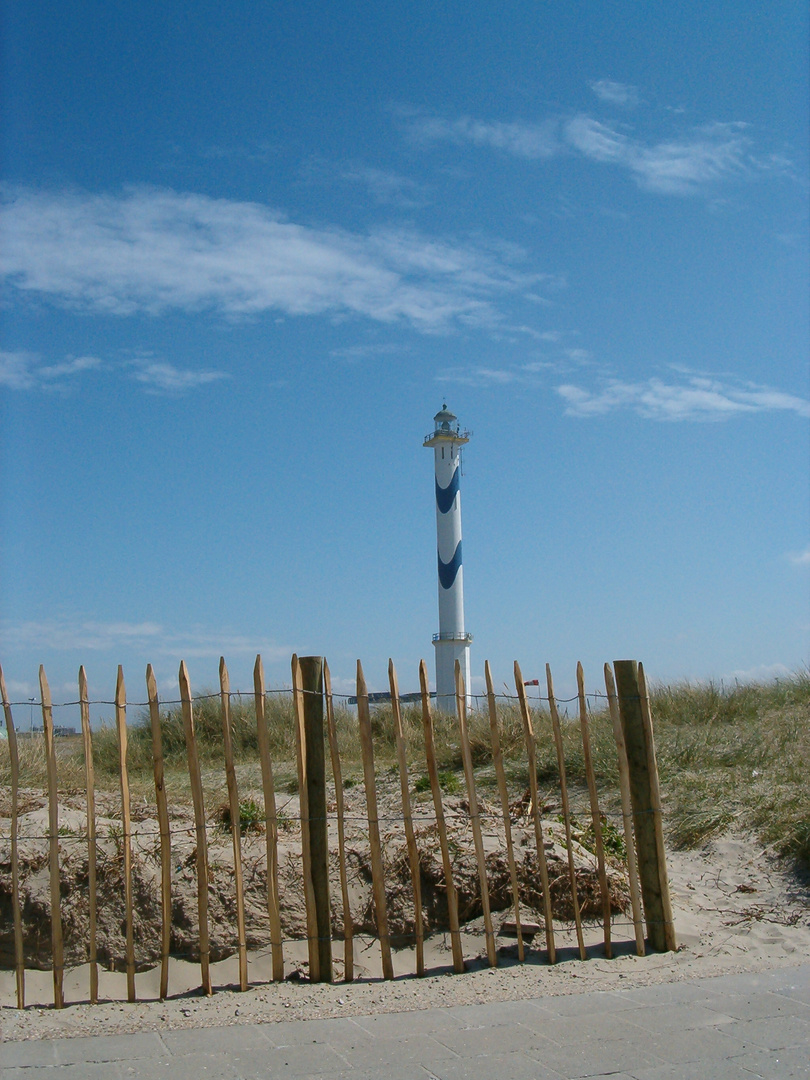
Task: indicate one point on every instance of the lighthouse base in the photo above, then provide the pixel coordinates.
(450, 648)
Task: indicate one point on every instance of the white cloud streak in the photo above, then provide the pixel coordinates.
(615, 93)
(153, 251)
(24, 371)
(517, 138)
(65, 635)
(698, 398)
(683, 165)
(168, 379)
(677, 167)
(800, 558)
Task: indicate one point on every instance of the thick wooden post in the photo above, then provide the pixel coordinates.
(627, 809)
(638, 740)
(312, 683)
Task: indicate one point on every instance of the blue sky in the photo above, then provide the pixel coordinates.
(247, 251)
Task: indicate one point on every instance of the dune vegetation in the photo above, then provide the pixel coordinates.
(729, 756)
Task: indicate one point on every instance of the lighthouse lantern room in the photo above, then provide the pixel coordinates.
(452, 641)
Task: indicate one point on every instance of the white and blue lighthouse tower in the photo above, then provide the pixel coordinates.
(452, 641)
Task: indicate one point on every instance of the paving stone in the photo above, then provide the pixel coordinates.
(696, 1070)
(590, 1004)
(683, 1015)
(759, 1006)
(185, 1066)
(772, 1033)
(614, 1027)
(427, 1022)
(699, 1044)
(79, 1071)
(338, 1032)
(793, 1064)
(510, 1066)
(477, 1042)
(668, 993)
(594, 1058)
(290, 1062)
(218, 1040)
(377, 1053)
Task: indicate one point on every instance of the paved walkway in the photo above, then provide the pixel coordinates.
(730, 1028)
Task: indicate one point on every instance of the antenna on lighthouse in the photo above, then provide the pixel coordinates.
(452, 641)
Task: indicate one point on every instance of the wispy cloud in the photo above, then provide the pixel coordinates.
(92, 635)
(521, 139)
(680, 166)
(153, 251)
(168, 379)
(478, 376)
(697, 398)
(25, 371)
(800, 558)
(761, 673)
(615, 93)
(686, 163)
(386, 188)
(65, 634)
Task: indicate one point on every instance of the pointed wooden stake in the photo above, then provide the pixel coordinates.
(627, 811)
(19, 955)
(126, 820)
(303, 801)
(270, 820)
(596, 816)
(165, 833)
(87, 743)
(572, 874)
(199, 823)
(236, 828)
(413, 852)
(377, 874)
(531, 755)
(475, 820)
(57, 944)
(435, 787)
(348, 929)
(497, 761)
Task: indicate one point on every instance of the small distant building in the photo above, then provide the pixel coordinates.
(452, 641)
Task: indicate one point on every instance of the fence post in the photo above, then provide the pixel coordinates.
(312, 685)
(638, 738)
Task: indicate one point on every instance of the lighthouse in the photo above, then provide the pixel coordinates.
(452, 641)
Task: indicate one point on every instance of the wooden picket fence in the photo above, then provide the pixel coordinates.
(628, 702)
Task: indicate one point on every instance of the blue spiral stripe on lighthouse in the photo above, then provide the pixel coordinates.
(449, 570)
(445, 497)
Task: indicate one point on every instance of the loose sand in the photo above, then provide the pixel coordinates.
(736, 909)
